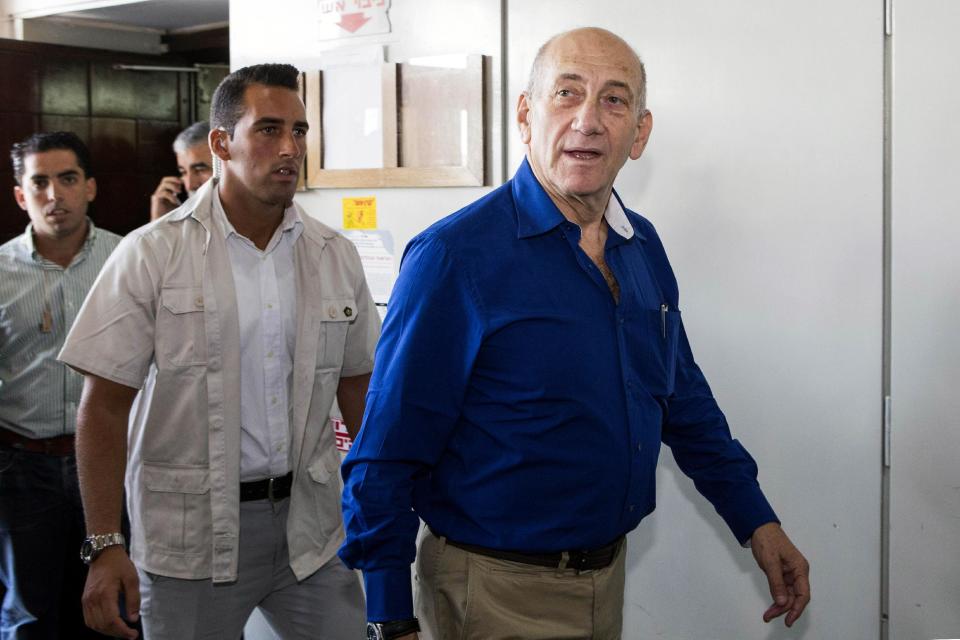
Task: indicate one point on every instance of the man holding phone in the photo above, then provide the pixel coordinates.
(194, 166)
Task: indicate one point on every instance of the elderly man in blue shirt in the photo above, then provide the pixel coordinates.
(540, 319)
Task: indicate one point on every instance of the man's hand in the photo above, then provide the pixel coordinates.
(787, 572)
(111, 574)
(165, 198)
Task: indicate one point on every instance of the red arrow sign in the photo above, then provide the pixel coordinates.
(352, 21)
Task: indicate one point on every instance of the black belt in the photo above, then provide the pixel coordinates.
(272, 489)
(55, 446)
(583, 560)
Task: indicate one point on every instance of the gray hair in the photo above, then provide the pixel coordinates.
(195, 134)
(536, 69)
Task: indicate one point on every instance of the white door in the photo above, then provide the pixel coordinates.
(925, 456)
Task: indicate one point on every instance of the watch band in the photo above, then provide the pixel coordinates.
(391, 629)
(94, 545)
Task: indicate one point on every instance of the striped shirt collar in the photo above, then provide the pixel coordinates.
(28, 244)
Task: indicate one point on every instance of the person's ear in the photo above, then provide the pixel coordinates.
(91, 189)
(20, 197)
(644, 128)
(220, 143)
(523, 117)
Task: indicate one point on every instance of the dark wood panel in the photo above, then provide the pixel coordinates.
(64, 87)
(80, 125)
(14, 127)
(133, 94)
(18, 83)
(113, 145)
(13, 219)
(155, 147)
(121, 206)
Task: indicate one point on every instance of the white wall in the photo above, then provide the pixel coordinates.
(764, 178)
(925, 474)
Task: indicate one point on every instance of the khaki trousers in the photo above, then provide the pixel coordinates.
(465, 596)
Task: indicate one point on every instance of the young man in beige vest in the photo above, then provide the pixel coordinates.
(240, 318)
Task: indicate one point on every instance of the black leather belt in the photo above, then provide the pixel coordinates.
(583, 560)
(272, 489)
(55, 446)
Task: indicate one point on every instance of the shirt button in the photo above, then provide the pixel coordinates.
(639, 446)
(273, 400)
(270, 354)
(269, 306)
(199, 302)
(632, 507)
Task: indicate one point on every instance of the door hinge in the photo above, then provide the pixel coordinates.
(886, 431)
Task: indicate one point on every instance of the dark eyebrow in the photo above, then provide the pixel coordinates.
(68, 173)
(279, 121)
(200, 165)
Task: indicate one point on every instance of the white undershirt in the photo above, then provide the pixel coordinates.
(265, 283)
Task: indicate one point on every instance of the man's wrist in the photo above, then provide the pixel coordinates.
(96, 544)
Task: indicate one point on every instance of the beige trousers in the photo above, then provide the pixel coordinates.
(465, 596)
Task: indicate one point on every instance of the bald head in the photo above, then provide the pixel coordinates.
(585, 42)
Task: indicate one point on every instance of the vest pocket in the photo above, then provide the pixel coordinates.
(336, 315)
(180, 336)
(325, 487)
(176, 507)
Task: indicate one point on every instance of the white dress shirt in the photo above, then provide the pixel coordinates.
(265, 283)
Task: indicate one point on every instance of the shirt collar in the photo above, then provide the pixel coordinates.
(291, 220)
(537, 213)
(30, 245)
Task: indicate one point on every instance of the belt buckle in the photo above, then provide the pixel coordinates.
(578, 560)
(270, 489)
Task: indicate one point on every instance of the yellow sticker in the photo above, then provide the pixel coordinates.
(360, 213)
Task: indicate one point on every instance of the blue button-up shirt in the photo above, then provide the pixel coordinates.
(515, 404)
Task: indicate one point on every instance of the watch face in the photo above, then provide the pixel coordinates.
(86, 551)
(373, 633)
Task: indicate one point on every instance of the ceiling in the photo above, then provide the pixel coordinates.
(162, 15)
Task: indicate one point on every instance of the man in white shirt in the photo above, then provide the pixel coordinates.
(241, 318)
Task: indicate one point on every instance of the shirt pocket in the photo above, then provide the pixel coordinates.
(336, 316)
(325, 488)
(176, 507)
(181, 338)
(656, 338)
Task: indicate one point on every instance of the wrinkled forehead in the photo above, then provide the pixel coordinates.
(595, 56)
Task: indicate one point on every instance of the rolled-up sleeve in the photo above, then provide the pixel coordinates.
(113, 335)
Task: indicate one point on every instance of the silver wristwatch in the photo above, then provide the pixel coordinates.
(93, 546)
